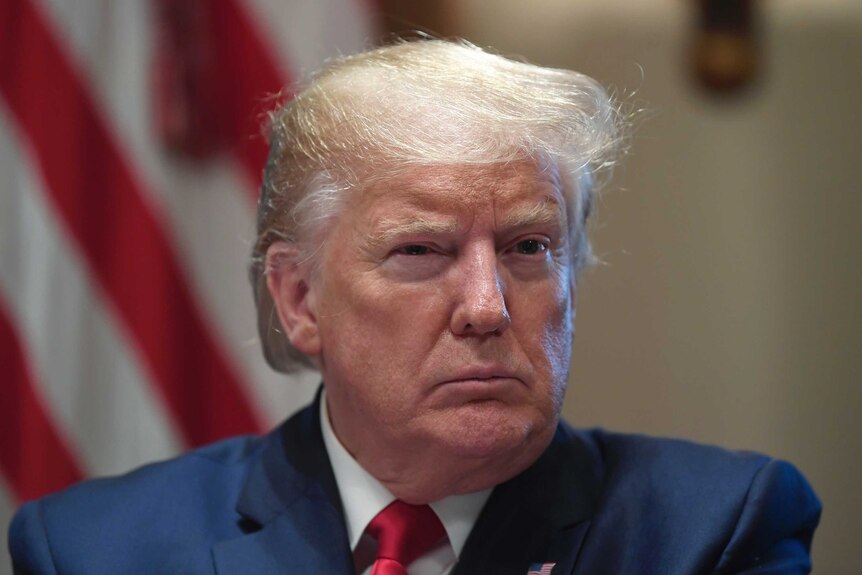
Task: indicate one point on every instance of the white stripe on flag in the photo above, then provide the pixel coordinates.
(111, 42)
(90, 379)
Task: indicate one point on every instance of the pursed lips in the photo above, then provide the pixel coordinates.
(481, 382)
(473, 373)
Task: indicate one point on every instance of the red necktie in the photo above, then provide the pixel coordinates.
(404, 533)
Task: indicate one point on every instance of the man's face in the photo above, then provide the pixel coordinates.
(443, 306)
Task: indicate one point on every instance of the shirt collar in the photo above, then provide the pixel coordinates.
(363, 497)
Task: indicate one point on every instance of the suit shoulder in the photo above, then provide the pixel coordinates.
(686, 470)
(211, 468)
(199, 488)
(642, 458)
(737, 509)
(656, 455)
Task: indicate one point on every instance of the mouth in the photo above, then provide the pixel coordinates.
(486, 373)
(480, 384)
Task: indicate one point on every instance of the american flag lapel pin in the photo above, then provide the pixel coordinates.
(541, 569)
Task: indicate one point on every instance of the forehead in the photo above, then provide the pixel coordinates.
(465, 188)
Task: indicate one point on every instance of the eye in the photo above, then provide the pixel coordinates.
(530, 247)
(414, 250)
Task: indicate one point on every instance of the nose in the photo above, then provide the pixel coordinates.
(480, 294)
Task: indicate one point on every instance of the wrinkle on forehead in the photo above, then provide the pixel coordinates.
(465, 183)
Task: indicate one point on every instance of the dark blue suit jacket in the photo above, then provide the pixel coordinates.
(594, 503)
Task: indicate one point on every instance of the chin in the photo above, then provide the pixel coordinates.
(490, 432)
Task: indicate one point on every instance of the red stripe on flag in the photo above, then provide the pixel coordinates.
(250, 76)
(33, 456)
(104, 210)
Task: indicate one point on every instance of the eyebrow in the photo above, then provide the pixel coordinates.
(546, 212)
(392, 229)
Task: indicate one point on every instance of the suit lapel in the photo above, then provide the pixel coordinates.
(540, 516)
(290, 508)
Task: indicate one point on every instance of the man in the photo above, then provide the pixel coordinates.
(421, 226)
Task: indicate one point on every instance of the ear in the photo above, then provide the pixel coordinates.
(290, 289)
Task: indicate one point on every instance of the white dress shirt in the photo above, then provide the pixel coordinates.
(363, 497)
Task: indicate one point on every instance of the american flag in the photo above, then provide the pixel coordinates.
(541, 569)
(130, 159)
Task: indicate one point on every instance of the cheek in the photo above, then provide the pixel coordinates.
(399, 311)
(558, 348)
(372, 326)
(557, 331)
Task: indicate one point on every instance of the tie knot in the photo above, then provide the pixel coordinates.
(405, 532)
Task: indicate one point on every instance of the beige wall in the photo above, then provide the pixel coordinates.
(730, 306)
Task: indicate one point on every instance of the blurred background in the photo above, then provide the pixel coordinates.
(727, 308)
